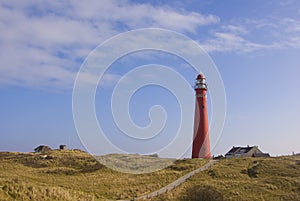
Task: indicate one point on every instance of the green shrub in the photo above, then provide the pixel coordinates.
(202, 193)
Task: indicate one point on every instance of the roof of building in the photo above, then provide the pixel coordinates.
(240, 150)
(42, 148)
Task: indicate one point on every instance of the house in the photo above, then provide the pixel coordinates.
(42, 148)
(245, 152)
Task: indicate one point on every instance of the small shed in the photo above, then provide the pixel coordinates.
(249, 151)
(42, 149)
(62, 147)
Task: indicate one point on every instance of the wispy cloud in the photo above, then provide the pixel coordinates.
(252, 35)
(44, 43)
(229, 42)
(235, 29)
(287, 2)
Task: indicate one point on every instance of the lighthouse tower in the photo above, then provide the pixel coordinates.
(201, 143)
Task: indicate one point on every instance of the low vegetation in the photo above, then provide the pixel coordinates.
(134, 163)
(76, 175)
(243, 179)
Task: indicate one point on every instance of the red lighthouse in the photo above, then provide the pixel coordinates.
(201, 143)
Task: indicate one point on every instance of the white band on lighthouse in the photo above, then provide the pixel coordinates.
(201, 95)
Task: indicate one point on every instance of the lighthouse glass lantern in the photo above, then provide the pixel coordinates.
(200, 83)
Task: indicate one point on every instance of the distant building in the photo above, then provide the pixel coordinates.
(245, 152)
(62, 147)
(42, 148)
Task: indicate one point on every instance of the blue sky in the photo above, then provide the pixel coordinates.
(254, 44)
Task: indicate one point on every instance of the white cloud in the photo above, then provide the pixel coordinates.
(43, 43)
(229, 42)
(109, 79)
(291, 25)
(287, 2)
(252, 35)
(133, 15)
(237, 29)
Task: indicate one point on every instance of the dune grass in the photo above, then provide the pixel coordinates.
(75, 175)
(243, 179)
(134, 163)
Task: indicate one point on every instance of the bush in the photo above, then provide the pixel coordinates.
(202, 193)
(253, 170)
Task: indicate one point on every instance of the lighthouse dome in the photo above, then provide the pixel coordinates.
(200, 76)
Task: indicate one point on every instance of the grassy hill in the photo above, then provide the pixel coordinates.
(243, 179)
(75, 175)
